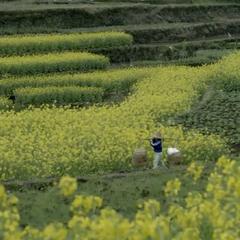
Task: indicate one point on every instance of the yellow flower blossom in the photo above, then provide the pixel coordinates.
(67, 186)
(172, 187)
(195, 170)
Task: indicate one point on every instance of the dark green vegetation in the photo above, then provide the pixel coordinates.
(123, 192)
(218, 112)
(162, 31)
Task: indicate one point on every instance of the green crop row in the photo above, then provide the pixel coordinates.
(57, 95)
(28, 44)
(60, 62)
(111, 81)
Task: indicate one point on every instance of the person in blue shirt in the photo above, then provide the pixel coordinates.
(156, 142)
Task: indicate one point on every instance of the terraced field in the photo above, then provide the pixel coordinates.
(195, 30)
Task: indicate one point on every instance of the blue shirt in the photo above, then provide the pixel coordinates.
(157, 145)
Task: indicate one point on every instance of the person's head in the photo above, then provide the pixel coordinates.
(156, 135)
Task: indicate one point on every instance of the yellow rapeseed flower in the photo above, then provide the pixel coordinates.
(68, 186)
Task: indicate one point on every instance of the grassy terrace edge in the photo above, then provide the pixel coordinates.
(29, 44)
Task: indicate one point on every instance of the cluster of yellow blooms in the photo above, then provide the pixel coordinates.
(195, 170)
(172, 188)
(57, 141)
(67, 186)
(213, 214)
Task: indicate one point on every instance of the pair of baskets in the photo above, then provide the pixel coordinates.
(139, 159)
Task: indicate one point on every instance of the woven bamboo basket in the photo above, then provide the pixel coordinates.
(174, 159)
(139, 158)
